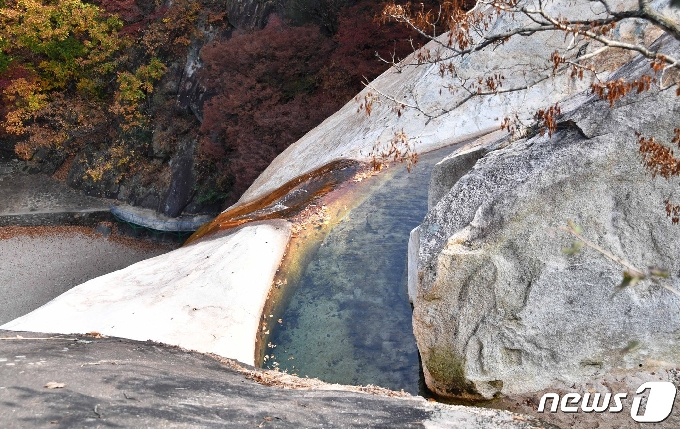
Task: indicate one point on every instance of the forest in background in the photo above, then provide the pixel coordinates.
(131, 99)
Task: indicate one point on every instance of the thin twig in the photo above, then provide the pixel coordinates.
(664, 285)
(631, 269)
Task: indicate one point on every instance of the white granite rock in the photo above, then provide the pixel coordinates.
(207, 296)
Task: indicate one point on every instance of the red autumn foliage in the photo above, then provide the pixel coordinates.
(15, 71)
(547, 119)
(265, 98)
(127, 10)
(267, 88)
(137, 15)
(617, 89)
(658, 158)
(359, 38)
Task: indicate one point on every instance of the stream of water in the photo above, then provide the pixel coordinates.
(349, 319)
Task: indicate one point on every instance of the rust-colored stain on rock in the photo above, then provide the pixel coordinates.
(285, 202)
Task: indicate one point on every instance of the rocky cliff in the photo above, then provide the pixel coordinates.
(149, 158)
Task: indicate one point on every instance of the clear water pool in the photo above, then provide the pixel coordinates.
(349, 319)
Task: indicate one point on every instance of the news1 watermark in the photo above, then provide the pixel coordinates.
(659, 404)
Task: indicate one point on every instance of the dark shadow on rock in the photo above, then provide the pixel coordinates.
(183, 179)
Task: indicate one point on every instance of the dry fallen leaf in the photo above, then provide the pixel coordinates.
(55, 385)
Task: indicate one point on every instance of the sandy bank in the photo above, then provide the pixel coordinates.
(38, 264)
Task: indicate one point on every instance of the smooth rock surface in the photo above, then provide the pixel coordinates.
(27, 194)
(500, 309)
(113, 382)
(206, 297)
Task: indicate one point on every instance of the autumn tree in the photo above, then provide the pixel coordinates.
(79, 78)
(52, 50)
(48, 47)
(263, 85)
(364, 48)
(76, 75)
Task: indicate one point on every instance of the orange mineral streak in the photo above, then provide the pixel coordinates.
(314, 204)
(285, 202)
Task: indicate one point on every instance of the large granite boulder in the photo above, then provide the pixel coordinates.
(499, 308)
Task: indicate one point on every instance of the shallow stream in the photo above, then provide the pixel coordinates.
(348, 319)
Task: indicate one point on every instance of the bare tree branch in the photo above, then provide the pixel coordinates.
(477, 30)
(583, 27)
